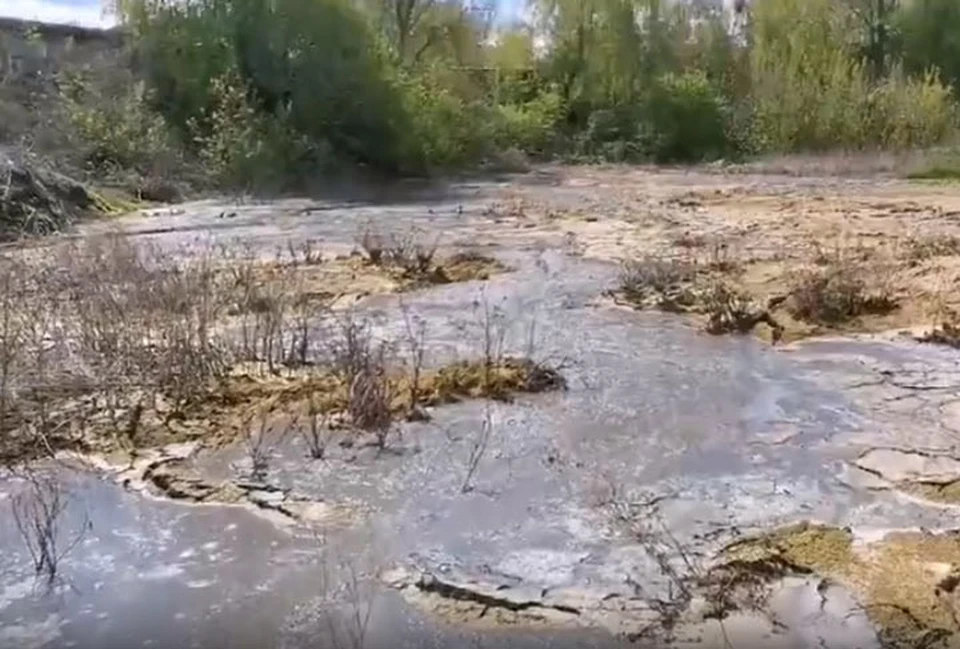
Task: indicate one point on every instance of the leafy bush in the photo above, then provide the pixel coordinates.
(911, 113)
(685, 120)
(530, 126)
(611, 134)
(120, 133)
(446, 130)
(313, 68)
(809, 90)
(928, 30)
(245, 148)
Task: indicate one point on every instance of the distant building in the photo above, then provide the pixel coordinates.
(31, 49)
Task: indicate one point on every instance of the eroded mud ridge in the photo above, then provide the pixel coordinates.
(430, 421)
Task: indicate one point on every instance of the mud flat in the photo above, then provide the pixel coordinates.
(565, 472)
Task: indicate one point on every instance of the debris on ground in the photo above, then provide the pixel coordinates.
(35, 201)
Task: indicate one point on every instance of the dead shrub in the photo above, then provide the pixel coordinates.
(38, 513)
(721, 258)
(373, 245)
(317, 432)
(408, 252)
(836, 294)
(260, 437)
(947, 334)
(920, 249)
(730, 310)
(370, 402)
(415, 344)
(411, 254)
(659, 281)
(478, 449)
(360, 363)
(350, 347)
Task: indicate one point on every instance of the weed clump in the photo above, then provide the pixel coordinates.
(499, 380)
(658, 282)
(836, 294)
(926, 248)
(412, 261)
(732, 311)
(948, 334)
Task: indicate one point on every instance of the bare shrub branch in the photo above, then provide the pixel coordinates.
(317, 433)
(38, 514)
(478, 449)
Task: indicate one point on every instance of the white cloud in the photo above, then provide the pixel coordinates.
(49, 11)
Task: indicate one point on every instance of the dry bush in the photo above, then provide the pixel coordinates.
(317, 433)
(944, 245)
(408, 253)
(495, 326)
(478, 449)
(350, 347)
(373, 245)
(307, 253)
(947, 334)
(260, 438)
(721, 258)
(411, 254)
(103, 329)
(835, 294)
(729, 310)
(661, 281)
(415, 330)
(360, 363)
(273, 313)
(370, 400)
(105, 343)
(38, 514)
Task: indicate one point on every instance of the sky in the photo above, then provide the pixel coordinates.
(87, 13)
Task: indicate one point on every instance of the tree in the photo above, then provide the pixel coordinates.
(930, 33)
(877, 22)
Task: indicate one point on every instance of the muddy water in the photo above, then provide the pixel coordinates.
(706, 437)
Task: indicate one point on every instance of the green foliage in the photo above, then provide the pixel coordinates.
(930, 36)
(446, 129)
(808, 89)
(265, 91)
(311, 65)
(909, 113)
(685, 120)
(120, 133)
(242, 147)
(530, 126)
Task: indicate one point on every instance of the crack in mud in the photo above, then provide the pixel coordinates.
(430, 583)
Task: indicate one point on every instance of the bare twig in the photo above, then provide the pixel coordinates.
(38, 514)
(478, 449)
